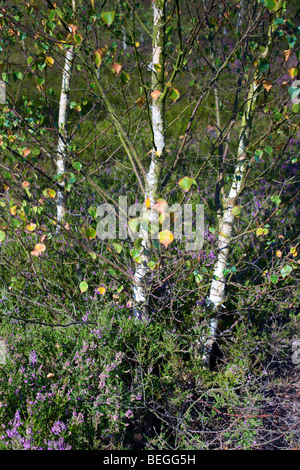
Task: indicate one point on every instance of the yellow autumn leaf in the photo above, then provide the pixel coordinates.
(293, 72)
(31, 227)
(13, 210)
(49, 61)
(148, 203)
(101, 290)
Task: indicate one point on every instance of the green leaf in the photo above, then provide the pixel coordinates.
(49, 193)
(236, 211)
(77, 39)
(40, 80)
(198, 278)
(2, 236)
(285, 271)
(270, 4)
(296, 108)
(90, 233)
(276, 199)
(83, 286)
(134, 224)
(77, 166)
(118, 247)
(135, 253)
(138, 243)
(274, 279)
(185, 183)
(174, 94)
(124, 77)
(269, 150)
(108, 17)
(151, 265)
(16, 223)
(92, 211)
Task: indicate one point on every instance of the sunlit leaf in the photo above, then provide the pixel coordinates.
(49, 193)
(117, 68)
(236, 211)
(134, 224)
(49, 61)
(108, 17)
(25, 152)
(101, 290)
(83, 286)
(155, 94)
(293, 72)
(285, 271)
(267, 84)
(174, 94)
(118, 247)
(90, 233)
(38, 249)
(2, 236)
(274, 279)
(287, 54)
(160, 205)
(185, 183)
(31, 227)
(165, 237)
(13, 210)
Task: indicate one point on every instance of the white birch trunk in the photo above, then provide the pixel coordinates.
(62, 139)
(152, 177)
(217, 288)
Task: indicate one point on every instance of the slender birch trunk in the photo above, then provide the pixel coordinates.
(226, 223)
(62, 138)
(153, 175)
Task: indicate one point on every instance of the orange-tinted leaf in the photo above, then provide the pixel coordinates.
(25, 184)
(140, 101)
(148, 203)
(267, 84)
(287, 54)
(165, 237)
(155, 94)
(25, 152)
(38, 249)
(160, 205)
(117, 68)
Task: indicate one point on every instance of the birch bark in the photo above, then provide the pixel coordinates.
(153, 174)
(62, 138)
(226, 223)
